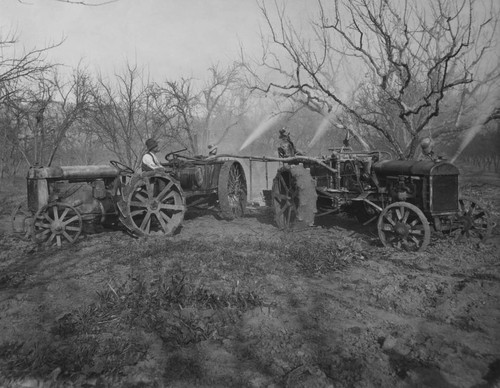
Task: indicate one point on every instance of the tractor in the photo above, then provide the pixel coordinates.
(66, 201)
(407, 198)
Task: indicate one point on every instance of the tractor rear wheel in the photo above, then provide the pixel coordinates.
(232, 190)
(294, 196)
(474, 221)
(153, 204)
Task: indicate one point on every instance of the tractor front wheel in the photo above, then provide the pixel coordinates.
(403, 226)
(57, 223)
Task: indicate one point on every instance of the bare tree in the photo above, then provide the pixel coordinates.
(123, 114)
(199, 115)
(16, 69)
(39, 118)
(176, 102)
(402, 58)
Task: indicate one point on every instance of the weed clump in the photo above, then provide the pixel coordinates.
(114, 332)
(314, 256)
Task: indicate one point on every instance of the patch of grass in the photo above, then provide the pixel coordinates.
(243, 257)
(314, 256)
(97, 338)
(45, 355)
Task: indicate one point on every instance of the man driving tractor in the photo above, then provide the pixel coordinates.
(149, 160)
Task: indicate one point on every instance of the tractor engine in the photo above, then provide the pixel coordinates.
(430, 185)
(86, 188)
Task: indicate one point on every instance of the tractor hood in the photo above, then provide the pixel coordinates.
(73, 172)
(414, 167)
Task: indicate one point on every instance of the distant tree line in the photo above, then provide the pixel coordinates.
(46, 117)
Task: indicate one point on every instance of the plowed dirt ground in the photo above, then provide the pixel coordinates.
(243, 304)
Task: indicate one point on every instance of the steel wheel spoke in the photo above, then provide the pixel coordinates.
(137, 212)
(171, 206)
(71, 220)
(165, 190)
(283, 208)
(161, 219)
(138, 204)
(42, 225)
(145, 220)
(68, 237)
(283, 185)
(64, 213)
(280, 196)
(43, 233)
(140, 197)
(405, 216)
(388, 217)
(416, 240)
(56, 213)
(52, 237)
(165, 216)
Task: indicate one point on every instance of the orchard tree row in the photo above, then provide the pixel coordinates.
(384, 72)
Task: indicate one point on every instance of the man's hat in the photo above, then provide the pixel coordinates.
(151, 144)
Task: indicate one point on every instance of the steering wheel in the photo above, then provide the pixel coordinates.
(122, 167)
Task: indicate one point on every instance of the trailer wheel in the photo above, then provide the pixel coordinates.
(153, 204)
(232, 190)
(294, 196)
(402, 225)
(474, 221)
(56, 223)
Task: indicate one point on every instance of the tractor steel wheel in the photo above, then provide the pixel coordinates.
(232, 190)
(57, 223)
(474, 221)
(154, 204)
(294, 196)
(403, 226)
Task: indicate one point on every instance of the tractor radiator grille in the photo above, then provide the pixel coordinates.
(444, 194)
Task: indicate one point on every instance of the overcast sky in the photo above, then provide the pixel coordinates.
(171, 38)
